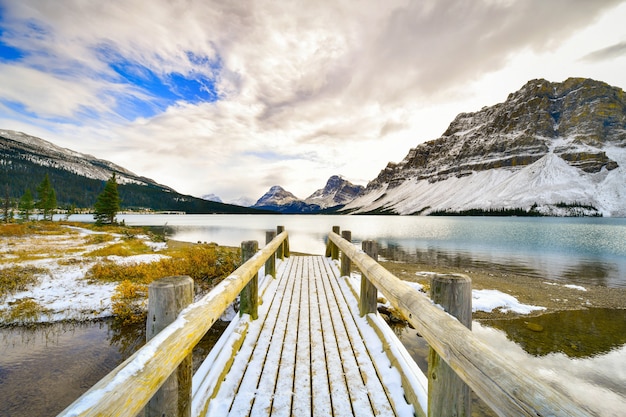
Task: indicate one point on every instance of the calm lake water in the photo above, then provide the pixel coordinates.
(581, 251)
(577, 250)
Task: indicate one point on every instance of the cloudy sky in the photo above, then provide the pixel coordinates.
(232, 97)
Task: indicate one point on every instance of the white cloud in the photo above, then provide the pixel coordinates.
(308, 89)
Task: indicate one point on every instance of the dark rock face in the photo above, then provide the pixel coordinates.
(337, 191)
(574, 119)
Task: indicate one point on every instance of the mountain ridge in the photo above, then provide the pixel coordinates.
(78, 178)
(547, 146)
(334, 195)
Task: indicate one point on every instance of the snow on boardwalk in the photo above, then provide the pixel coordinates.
(308, 354)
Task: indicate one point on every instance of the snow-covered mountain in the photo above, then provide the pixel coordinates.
(337, 191)
(558, 148)
(212, 197)
(78, 178)
(20, 146)
(280, 200)
(243, 202)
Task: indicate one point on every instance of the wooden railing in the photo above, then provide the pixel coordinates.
(508, 389)
(127, 389)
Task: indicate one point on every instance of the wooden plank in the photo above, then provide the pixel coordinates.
(210, 375)
(302, 384)
(371, 379)
(284, 390)
(247, 389)
(357, 389)
(276, 337)
(413, 383)
(223, 400)
(504, 386)
(341, 404)
(320, 386)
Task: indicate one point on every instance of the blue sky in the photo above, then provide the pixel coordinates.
(232, 98)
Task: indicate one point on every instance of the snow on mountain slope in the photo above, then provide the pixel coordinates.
(336, 192)
(559, 148)
(22, 146)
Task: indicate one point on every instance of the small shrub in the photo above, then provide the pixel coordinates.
(18, 278)
(24, 310)
(125, 248)
(98, 238)
(128, 302)
(206, 264)
(14, 229)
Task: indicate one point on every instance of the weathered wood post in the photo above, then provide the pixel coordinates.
(167, 297)
(249, 298)
(334, 249)
(270, 264)
(368, 300)
(345, 261)
(448, 395)
(280, 252)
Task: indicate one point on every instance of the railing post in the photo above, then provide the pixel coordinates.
(368, 300)
(280, 252)
(270, 264)
(167, 297)
(448, 395)
(249, 299)
(345, 261)
(334, 249)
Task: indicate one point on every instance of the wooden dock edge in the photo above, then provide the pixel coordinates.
(208, 378)
(503, 385)
(414, 382)
(127, 389)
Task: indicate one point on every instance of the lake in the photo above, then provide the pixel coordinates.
(583, 251)
(578, 250)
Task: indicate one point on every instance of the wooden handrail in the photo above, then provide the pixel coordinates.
(128, 388)
(505, 387)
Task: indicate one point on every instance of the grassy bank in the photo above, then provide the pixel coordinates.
(117, 262)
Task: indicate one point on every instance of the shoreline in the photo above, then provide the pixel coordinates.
(553, 295)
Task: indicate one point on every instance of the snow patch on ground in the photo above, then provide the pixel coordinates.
(489, 300)
(62, 290)
(575, 287)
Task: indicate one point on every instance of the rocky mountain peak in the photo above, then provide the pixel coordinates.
(276, 195)
(581, 122)
(336, 192)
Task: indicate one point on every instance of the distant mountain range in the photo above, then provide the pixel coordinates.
(78, 178)
(550, 149)
(335, 194)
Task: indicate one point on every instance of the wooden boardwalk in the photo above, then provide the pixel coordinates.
(306, 355)
(311, 352)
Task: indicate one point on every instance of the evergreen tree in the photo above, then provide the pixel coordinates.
(47, 198)
(26, 205)
(6, 205)
(108, 203)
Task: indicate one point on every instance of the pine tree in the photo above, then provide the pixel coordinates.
(26, 205)
(6, 205)
(47, 198)
(108, 203)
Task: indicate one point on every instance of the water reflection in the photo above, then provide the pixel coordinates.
(577, 333)
(598, 379)
(581, 271)
(34, 359)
